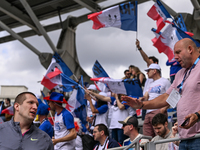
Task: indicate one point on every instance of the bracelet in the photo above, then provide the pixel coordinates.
(142, 105)
(140, 48)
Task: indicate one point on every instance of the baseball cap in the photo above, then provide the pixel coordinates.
(153, 66)
(92, 87)
(130, 120)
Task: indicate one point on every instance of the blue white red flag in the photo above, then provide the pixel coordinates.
(128, 87)
(181, 24)
(160, 14)
(168, 38)
(98, 72)
(52, 76)
(123, 16)
(8, 110)
(78, 103)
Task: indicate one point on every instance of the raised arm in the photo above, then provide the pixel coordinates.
(101, 97)
(143, 54)
(156, 103)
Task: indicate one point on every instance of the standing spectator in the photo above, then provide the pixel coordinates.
(19, 132)
(64, 129)
(130, 128)
(45, 125)
(118, 108)
(157, 87)
(127, 74)
(149, 61)
(2, 116)
(101, 135)
(174, 68)
(8, 104)
(187, 85)
(137, 74)
(100, 110)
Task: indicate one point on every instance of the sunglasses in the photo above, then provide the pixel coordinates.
(126, 124)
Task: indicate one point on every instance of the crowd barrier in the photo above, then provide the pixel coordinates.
(150, 145)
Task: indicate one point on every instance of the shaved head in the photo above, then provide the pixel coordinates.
(186, 52)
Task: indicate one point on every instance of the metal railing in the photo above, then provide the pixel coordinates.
(151, 145)
(135, 143)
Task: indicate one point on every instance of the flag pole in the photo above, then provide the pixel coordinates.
(137, 25)
(83, 87)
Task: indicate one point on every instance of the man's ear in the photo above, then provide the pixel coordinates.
(166, 124)
(16, 106)
(102, 132)
(190, 49)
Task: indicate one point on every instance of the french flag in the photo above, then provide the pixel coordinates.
(128, 87)
(168, 38)
(160, 14)
(52, 77)
(8, 110)
(98, 71)
(123, 16)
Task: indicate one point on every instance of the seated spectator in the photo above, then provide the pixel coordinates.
(160, 125)
(130, 128)
(45, 125)
(175, 132)
(101, 135)
(127, 74)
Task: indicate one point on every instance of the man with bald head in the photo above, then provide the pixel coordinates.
(187, 86)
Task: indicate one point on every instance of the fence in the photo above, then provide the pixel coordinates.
(150, 145)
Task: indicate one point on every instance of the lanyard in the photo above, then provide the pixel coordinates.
(105, 145)
(180, 86)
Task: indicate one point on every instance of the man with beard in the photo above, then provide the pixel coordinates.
(160, 125)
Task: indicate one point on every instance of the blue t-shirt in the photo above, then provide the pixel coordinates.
(47, 127)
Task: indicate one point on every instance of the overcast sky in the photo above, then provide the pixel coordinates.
(114, 48)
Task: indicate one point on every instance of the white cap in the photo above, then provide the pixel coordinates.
(92, 87)
(103, 93)
(153, 66)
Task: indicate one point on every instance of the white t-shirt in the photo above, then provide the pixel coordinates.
(63, 123)
(117, 115)
(146, 85)
(157, 88)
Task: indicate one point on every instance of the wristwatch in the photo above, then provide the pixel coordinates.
(140, 48)
(198, 115)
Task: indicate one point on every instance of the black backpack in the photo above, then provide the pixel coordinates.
(88, 142)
